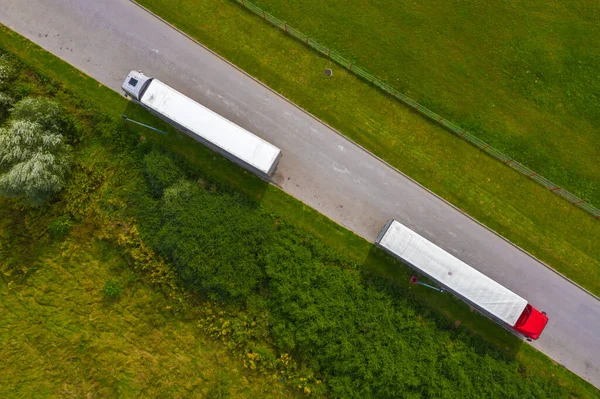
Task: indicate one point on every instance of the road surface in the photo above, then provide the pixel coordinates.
(107, 38)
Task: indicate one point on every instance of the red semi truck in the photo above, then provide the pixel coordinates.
(478, 290)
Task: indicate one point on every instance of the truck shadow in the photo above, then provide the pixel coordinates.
(197, 161)
(445, 311)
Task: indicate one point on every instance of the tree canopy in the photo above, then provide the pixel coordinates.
(43, 111)
(34, 158)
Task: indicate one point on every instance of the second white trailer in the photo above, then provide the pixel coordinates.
(452, 273)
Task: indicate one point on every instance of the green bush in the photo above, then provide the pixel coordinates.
(160, 171)
(5, 103)
(112, 289)
(45, 112)
(60, 226)
(363, 337)
(34, 162)
(214, 240)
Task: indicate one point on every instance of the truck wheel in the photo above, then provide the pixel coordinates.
(544, 313)
(528, 339)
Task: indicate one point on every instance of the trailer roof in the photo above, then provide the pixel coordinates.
(210, 126)
(451, 272)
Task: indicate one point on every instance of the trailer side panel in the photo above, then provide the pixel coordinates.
(211, 129)
(452, 273)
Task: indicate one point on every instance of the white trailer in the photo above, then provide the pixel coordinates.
(202, 124)
(462, 280)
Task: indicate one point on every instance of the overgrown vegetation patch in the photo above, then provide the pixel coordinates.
(365, 337)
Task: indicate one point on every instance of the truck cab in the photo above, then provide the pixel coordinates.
(531, 323)
(135, 84)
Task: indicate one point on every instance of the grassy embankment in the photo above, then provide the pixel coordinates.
(561, 143)
(61, 336)
(534, 366)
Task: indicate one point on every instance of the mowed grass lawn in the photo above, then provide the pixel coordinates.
(522, 211)
(522, 75)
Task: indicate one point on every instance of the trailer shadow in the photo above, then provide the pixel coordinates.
(197, 161)
(443, 309)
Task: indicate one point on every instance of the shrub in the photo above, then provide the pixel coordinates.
(161, 172)
(39, 110)
(60, 226)
(7, 71)
(214, 240)
(33, 162)
(112, 289)
(5, 103)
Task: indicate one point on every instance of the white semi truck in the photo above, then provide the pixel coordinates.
(478, 290)
(202, 124)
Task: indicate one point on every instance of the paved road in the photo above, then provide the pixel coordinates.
(107, 38)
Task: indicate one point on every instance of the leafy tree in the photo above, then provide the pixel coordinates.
(43, 111)
(33, 161)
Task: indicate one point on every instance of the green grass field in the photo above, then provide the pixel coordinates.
(98, 165)
(522, 211)
(520, 75)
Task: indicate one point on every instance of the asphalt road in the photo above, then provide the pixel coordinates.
(107, 38)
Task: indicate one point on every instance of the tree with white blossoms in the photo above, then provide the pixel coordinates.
(34, 158)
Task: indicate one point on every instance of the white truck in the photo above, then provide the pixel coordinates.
(478, 290)
(202, 124)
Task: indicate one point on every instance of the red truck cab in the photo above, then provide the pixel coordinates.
(531, 323)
